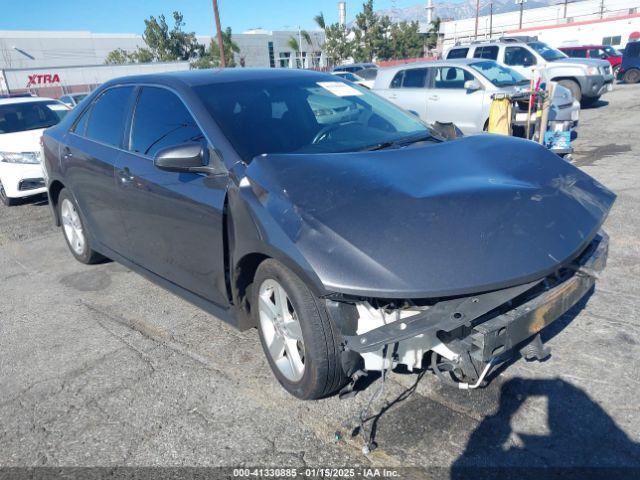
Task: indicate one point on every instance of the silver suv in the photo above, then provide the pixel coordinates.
(587, 79)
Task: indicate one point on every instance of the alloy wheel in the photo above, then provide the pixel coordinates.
(72, 226)
(281, 330)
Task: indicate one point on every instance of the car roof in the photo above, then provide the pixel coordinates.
(579, 47)
(434, 63)
(14, 100)
(192, 78)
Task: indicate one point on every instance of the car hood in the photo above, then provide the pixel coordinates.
(470, 215)
(27, 141)
(588, 62)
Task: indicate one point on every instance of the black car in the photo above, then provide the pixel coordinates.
(354, 67)
(351, 234)
(629, 70)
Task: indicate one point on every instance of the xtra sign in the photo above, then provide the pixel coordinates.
(42, 79)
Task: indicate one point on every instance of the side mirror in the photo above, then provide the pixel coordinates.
(189, 158)
(604, 56)
(472, 85)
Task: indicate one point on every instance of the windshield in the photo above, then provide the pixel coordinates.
(18, 117)
(305, 115)
(498, 75)
(548, 53)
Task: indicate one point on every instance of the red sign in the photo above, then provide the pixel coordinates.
(42, 79)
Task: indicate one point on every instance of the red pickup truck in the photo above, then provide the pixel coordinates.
(604, 52)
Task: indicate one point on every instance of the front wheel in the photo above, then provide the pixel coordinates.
(298, 337)
(574, 87)
(75, 231)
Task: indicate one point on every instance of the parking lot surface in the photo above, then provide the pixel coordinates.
(99, 367)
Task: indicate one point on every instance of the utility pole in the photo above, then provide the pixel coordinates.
(300, 47)
(216, 14)
(601, 8)
(566, 3)
(521, 2)
(490, 19)
(477, 15)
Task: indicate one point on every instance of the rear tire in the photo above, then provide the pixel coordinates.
(75, 231)
(574, 87)
(6, 201)
(631, 76)
(300, 342)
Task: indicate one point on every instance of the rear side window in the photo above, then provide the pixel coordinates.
(106, 120)
(414, 78)
(577, 53)
(397, 79)
(161, 120)
(457, 53)
(490, 52)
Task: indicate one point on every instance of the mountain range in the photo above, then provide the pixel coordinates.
(449, 10)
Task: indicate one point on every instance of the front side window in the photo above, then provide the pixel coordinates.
(18, 117)
(451, 77)
(457, 53)
(106, 120)
(161, 120)
(578, 53)
(498, 75)
(315, 115)
(518, 56)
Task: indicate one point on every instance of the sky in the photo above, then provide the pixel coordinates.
(127, 16)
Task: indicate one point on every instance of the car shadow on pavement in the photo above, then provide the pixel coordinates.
(582, 441)
(596, 104)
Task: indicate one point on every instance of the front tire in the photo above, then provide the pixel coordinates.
(574, 87)
(299, 339)
(75, 231)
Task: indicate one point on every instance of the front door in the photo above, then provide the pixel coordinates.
(174, 221)
(449, 101)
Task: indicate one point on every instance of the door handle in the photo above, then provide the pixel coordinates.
(434, 97)
(125, 176)
(66, 153)
(393, 97)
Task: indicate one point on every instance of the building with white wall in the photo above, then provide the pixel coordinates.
(609, 22)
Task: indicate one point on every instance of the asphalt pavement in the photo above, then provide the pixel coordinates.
(99, 367)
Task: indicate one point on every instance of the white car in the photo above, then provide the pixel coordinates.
(22, 121)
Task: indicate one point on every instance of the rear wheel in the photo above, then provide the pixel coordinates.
(632, 76)
(6, 201)
(574, 87)
(297, 335)
(74, 229)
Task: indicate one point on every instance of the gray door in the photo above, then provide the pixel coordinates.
(173, 220)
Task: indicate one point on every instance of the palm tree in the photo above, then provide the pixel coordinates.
(319, 19)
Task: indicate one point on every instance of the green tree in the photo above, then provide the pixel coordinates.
(211, 57)
(336, 46)
(370, 34)
(163, 44)
(405, 41)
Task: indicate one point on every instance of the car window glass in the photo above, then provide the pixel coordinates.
(108, 116)
(81, 124)
(19, 117)
(458, 53)
(595, 53)
(64, 99)
(451, 77)
(633, 49)
(518, 56)
(414, 78)
(490, 52)
(397, 79)
(161, 120)
(578, 53)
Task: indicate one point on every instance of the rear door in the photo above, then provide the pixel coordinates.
(407, 90)
(174, 221)
(449, 101)
(89, 155)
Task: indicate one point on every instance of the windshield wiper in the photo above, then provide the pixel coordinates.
(401, 142)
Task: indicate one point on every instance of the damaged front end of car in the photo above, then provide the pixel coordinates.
(463, 338)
